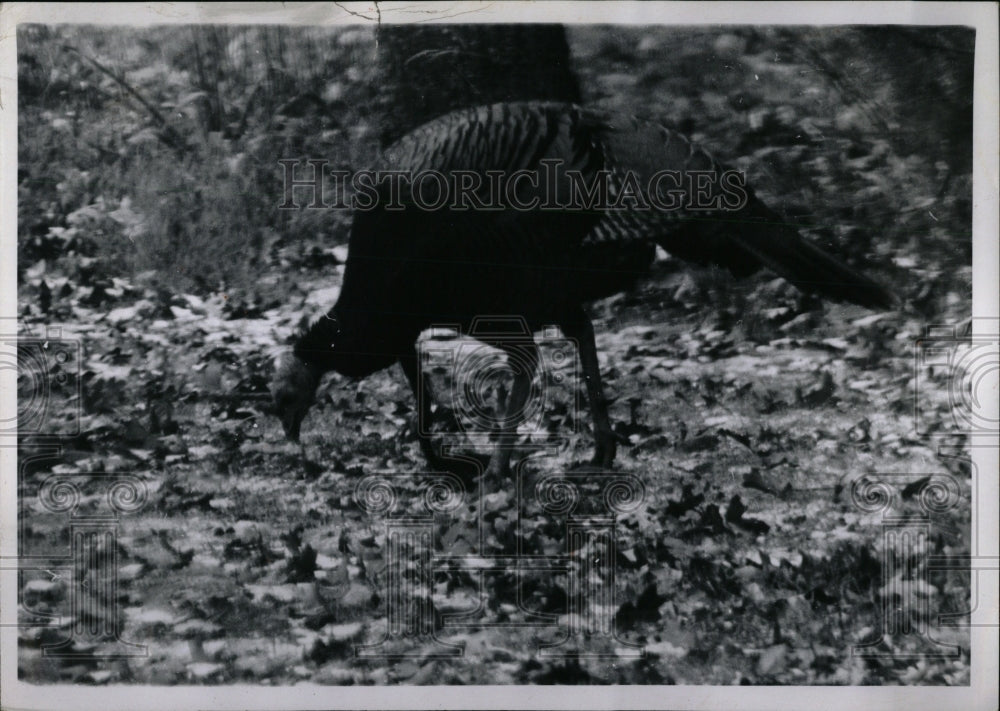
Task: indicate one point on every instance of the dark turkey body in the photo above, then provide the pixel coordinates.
(460, 281)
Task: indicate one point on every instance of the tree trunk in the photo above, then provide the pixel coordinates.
(428, 70)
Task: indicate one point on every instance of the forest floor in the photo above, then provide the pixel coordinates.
(776, 446)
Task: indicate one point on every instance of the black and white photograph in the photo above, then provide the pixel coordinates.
(461, 355)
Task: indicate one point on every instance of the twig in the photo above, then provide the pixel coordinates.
(244, 118)
(174, 140)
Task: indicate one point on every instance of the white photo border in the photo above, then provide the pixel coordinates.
(982, 692)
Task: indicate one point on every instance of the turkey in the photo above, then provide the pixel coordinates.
(579, 200)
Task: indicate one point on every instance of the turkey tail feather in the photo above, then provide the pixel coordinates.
(779, 247)
(812, 270)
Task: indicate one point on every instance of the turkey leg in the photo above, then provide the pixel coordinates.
(424, 397)
(579, 328)
(523, 360)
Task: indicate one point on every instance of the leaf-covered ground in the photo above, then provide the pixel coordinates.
(754, 549)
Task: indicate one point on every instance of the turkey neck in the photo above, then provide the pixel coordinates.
(351, 343)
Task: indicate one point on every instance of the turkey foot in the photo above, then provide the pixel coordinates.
(605, 447)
